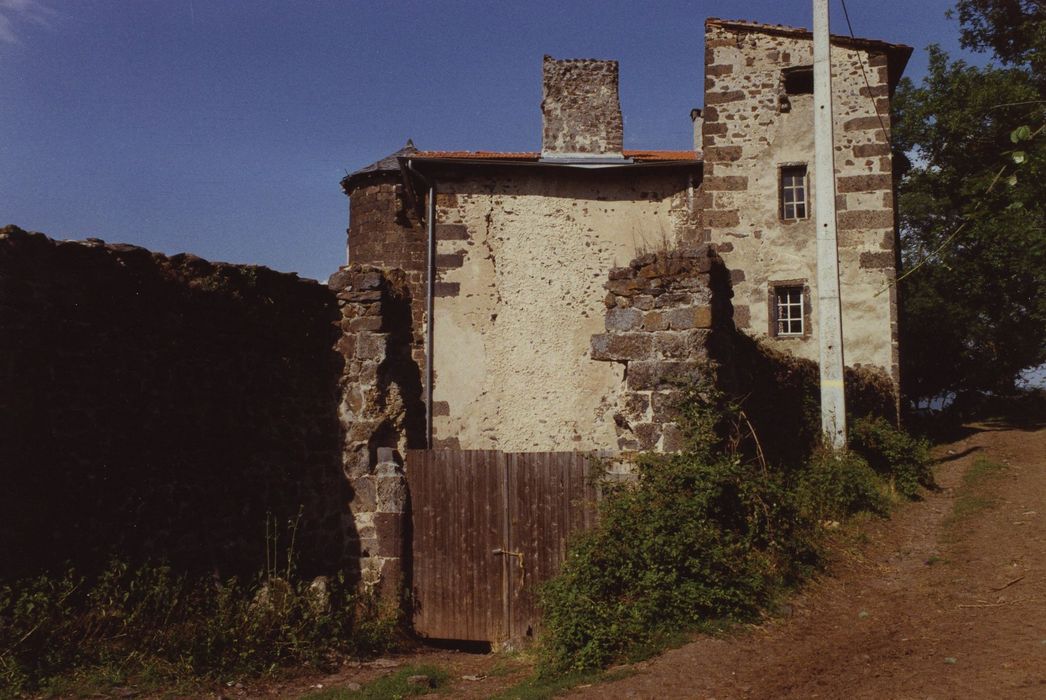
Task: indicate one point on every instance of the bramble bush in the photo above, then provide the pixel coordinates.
(711, 533)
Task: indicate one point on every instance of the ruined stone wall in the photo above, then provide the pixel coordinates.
(522, 260)
(751, 129)
(580, 108)
(661, 311)
(381, 412)
(164, 407)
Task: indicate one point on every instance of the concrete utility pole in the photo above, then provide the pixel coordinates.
(829, 309)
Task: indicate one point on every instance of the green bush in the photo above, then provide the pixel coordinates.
(834, 485)
(902, 459)
(700, 535)
(710, 533)
(149, 620)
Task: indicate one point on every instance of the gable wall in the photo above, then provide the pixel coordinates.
(747, 138)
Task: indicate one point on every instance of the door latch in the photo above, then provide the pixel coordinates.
(519, 559)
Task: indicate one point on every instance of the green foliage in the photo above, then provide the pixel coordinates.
(973, 215)
(130, 621)
(973, 496)
(897, 456)
(700, 535)
(707, 535)
(835, 485)
(542, 687)
(394, 685)
(1011, 29)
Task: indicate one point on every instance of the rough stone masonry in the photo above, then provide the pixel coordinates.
(660, 316)
(580, 109)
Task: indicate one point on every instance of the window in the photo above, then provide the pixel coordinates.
(793, 192)
(799, 80)
(788, 311)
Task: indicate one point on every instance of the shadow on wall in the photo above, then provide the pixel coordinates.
(165, 408)
(780, 393)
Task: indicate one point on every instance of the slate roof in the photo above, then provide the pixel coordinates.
(388, 164)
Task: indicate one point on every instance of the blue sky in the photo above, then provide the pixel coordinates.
(222, 127)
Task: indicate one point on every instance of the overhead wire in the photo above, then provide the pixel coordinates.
(860, 62)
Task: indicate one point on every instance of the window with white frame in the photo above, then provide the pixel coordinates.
(788, 311)
(793, 193)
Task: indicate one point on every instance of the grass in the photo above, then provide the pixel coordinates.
(507, 663)
(973, 495)
(390, 687)
(543, 687)
(150, 677)
(147, 627)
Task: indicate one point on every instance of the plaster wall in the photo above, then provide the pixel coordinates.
(748, 136)
(522, 262)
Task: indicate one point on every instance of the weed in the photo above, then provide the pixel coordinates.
(149, 624)
(971, 497)
(542, 687)
(712, 533)
(505, 665)
(390, 687)
(703, 534)
(838, 484)
(894, 454)
(980, 472)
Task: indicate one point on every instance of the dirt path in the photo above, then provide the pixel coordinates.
(947, 600)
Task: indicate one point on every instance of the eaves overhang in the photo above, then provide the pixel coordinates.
(427, 163)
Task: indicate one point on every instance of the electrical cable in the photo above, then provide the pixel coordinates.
(860, 62)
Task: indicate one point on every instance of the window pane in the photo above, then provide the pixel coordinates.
(793, 192)
(788, 308)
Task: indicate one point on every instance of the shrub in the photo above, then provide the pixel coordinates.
(897, 456)
(700, 535)
(834, 485)
(709, 533)
(147, 618)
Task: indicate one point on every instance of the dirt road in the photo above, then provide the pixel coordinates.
(946, 600)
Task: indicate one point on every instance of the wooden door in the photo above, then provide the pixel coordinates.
(488, 528)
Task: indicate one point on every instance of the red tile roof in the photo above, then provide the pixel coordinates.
(661, 155)
(479, 155)
(638, 156)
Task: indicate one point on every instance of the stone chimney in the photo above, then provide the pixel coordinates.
(698, 122)
(580, 110)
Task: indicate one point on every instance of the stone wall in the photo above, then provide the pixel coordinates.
(386, 232)
(751, 129)
(522, 257)
(580, 108)
(661, 310)
(165, 407)
(381, 412)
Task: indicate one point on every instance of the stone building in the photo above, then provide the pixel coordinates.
(523, 243)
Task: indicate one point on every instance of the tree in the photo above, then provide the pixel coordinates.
(973, 207)
(1012, 29)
